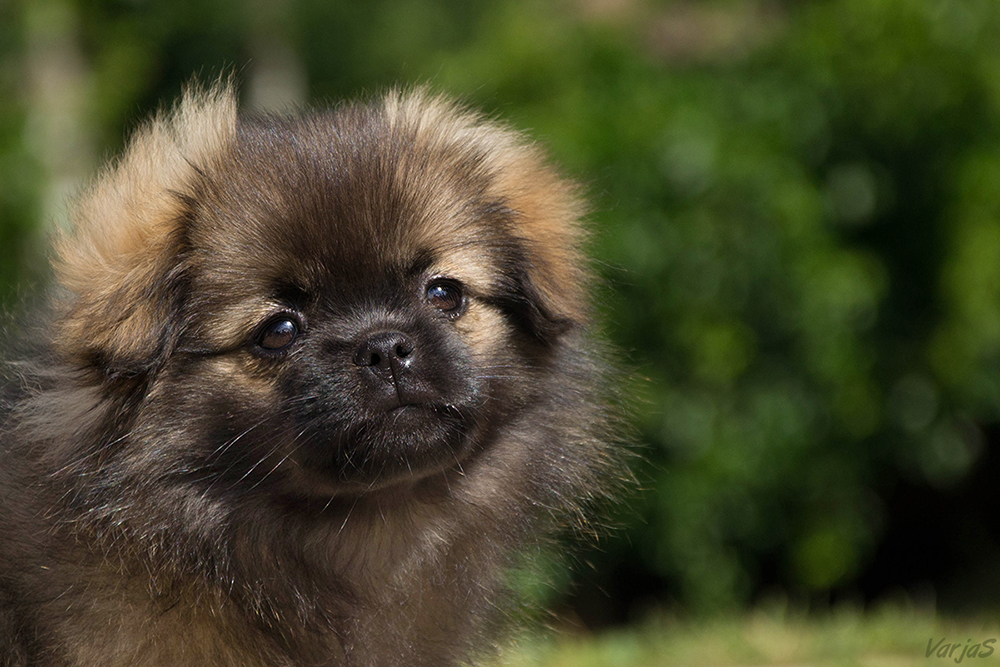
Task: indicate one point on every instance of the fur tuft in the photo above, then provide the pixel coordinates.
(115, 261)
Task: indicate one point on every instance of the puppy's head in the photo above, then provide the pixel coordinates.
(321, 304)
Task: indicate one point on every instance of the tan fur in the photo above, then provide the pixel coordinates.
(127, 633)
(124, 226)
(548, 207)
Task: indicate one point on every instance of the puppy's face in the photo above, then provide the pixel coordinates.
(345, 324)
(333, 303)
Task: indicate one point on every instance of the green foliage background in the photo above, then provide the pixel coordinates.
(796, 209)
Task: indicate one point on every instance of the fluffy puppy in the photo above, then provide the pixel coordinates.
(307, 388)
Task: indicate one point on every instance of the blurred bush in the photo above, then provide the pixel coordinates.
(19, 178)
(797, 210)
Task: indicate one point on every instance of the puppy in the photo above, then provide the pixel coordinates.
(307, 387)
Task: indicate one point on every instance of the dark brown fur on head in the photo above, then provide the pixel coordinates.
(312, 384)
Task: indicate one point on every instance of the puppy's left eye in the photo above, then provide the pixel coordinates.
(278, 334)
(446, 296)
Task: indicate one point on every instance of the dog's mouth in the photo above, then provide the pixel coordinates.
(407, 408)
(401, 444)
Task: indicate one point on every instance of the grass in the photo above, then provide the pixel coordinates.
(891, 637)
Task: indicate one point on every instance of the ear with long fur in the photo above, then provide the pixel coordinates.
(528, 308)
(120, 263)
(546, 209)
(547, 213)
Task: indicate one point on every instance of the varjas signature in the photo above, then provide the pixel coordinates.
(970, 650)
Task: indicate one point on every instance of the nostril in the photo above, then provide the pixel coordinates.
(384, 349)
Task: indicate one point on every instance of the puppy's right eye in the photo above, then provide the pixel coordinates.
(446, 296)
(278, 334)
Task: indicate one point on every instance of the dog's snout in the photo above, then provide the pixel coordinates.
(385, 352)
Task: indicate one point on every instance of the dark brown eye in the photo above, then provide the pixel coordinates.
(278, 334)
(446, 296)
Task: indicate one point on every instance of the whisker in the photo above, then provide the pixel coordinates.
(349, 512)
(278, 464)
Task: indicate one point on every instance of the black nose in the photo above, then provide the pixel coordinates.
(386, 353)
